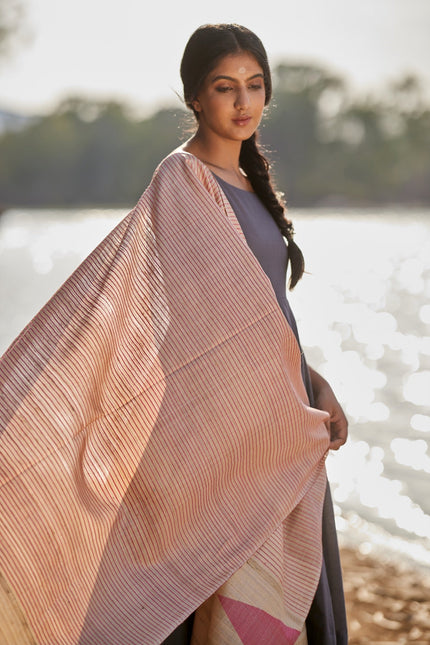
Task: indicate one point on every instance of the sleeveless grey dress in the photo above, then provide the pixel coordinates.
(326, 622)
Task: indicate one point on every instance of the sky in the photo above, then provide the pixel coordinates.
(130, 50)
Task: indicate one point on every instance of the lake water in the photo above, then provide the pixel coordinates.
(364, 316)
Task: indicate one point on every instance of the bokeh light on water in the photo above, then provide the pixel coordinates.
(38, 251)
(364, 321)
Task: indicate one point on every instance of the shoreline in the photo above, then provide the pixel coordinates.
(386, 602)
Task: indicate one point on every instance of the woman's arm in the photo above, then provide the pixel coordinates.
(337, 424)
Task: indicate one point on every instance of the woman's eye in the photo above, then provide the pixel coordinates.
(256, 86)
(223, 88)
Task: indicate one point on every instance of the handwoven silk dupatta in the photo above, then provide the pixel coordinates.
(157, 443)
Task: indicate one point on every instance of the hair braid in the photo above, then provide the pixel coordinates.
(257, 169)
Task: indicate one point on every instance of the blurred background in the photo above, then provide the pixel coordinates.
(89, 105)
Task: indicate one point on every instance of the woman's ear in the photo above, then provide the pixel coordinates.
(196, 105)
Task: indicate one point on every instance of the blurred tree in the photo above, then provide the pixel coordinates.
(295, 131)
(411, 180)
(328, 147)
(331, 149)
(384, 146)
(84, 153)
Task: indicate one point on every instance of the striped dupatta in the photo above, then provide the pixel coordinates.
(158, 452)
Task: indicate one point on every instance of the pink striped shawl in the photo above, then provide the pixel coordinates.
(157, 443)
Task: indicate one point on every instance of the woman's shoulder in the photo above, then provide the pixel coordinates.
(179, 174)
(181, 168)
(181, 160)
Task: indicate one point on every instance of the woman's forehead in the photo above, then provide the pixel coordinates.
(240, 64)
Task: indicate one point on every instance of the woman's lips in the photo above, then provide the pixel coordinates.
(242, 120)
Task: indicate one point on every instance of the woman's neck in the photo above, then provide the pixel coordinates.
(223, 159)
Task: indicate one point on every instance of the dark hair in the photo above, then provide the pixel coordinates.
(205, 48)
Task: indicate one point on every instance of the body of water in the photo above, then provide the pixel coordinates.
(363, 310)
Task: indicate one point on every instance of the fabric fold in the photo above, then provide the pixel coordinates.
(156, 432)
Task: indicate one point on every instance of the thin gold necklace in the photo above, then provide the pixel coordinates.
(238, 175)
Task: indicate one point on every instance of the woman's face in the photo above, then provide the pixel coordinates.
(231, 101)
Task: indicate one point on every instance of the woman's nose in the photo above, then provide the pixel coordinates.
(242, 99)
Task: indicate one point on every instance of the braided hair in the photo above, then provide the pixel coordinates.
(205, 48)
(257, 169)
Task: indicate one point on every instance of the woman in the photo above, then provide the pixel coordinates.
(227, 84)
(160, 456)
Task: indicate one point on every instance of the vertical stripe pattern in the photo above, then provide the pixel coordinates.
(156, 433)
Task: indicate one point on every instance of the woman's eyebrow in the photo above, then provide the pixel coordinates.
(230, 78)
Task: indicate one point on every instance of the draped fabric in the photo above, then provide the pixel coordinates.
(157, 441)
(326, 621)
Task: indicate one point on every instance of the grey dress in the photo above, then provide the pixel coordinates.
(326, 622)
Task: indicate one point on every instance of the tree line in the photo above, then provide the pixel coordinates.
(327, 146)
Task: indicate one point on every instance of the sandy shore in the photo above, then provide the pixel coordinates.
(386, 603)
